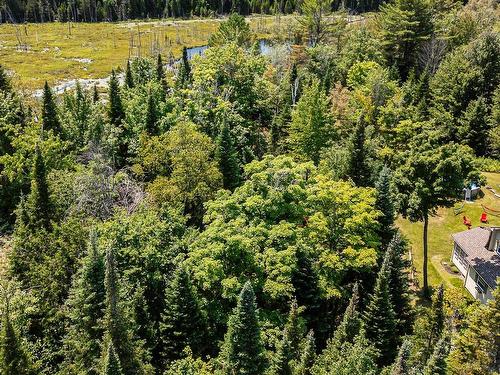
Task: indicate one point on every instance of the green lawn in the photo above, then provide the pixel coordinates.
(441, 227)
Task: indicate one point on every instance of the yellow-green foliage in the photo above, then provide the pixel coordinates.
(57, 51)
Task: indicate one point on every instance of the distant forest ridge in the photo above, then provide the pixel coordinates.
(16, 11)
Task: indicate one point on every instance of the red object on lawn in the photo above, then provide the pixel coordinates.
(467, 222)
(484, 217)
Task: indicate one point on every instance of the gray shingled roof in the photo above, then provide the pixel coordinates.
(474, 242)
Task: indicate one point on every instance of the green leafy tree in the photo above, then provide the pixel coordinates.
(385, 204)
(430, 176)
(358, 167)
(476, 348)
(310, 129)
(5, 84)
(50, 118)
(379, 317)
(474, 126)
(315, 21)
(234, 30)
(13, 357)
(151, 115)
(228, 159)
(112, 362)
(243, 352)
(183, 323)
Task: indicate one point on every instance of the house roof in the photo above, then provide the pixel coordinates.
(474, 243)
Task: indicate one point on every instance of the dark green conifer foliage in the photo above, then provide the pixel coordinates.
(399, 284)
(112, 362)
(385, 205)
(308, 356)
(129, 79)
(243, 352)
(228, 159)
(50, 119)
(436, 365)
(115, 320)
(95, 95)
(86, 311)
(38, 205)
(4, 80)
(358, 168)
(160, 74)
(437, 319)
(294, 84)
(184, 75)
(151, 115)
(350, 325)
(183, 323)
(115, 108)
(380, 319)
(402, 364)
(13, 358)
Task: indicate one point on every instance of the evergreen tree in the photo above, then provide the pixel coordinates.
(4, 80)
(38, 205)
(402, 364)
(385, 205)
(358, 168)
(183, 323)
(95, 95)
(115, 108)
(228, 159)
(50, 119)
(129, 79)
(308, 356)
(243, 352)
(112, 362)
(437, 320)
(13, 358)
(151, 115)
(379, 318)
(399, 283)
(115, 320)
(82, 344)
(294, 84)
(437, 365)
(184, 74)
(160, 74)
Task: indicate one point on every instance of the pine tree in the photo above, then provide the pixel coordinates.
(95, 95)
(437, 364)
(308, 356)
(228, 159)
(437, 320)
(243, 352)
(13, 358)
(129, 79)
(402, 364)
(151, 115)
(115, 109)
(379, 318)
(115, 321)
(184, 75)
(4, 80)
(85, 304)
(294, 84)
(50, 119)
(183, 323)
(38, 205)
(399, 284)
(385, 205)
(112, 362)
(358, 168)
(160, 75)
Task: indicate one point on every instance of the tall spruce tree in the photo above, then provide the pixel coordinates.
(183, 323)
(151, 115)
(95, 95)
(379, 317)
(82, 344)
(184, 74)
(385, 204)
(50, 118)
(5, 85)
(437, 320)
(307, 357)
(129, 79)
(358, 168)
(115, 107)
(38, 206)
(111, 362)
(115, 320)
(402, 364)
(160, 75)
(437, 364)
(13, 357)
(243, 352)
(399, 284)
(228, 159)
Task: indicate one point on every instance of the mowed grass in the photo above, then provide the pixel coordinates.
(441, 227)
(54, 52)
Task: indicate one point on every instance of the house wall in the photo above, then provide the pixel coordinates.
(470, 285)
(461, 264)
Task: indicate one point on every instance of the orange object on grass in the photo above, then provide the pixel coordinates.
(484, 217)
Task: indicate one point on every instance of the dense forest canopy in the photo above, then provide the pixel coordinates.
(235, 213)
